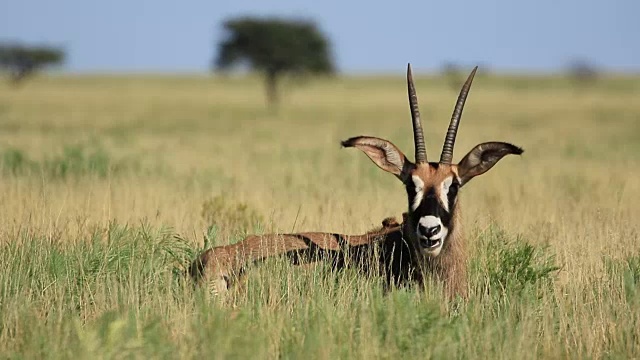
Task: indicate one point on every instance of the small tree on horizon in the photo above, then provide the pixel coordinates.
(22, 61)
(274, 47)
(582, 72)
(453, 75)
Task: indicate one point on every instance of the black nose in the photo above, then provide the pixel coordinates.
(429, 231)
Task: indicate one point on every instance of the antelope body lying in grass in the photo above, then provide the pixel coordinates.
(428, 242)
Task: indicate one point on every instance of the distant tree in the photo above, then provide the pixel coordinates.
(582, 72)
(453, 75)
(274, 47)
(20, 61)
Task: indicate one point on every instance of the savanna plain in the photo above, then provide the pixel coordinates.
(111, 185)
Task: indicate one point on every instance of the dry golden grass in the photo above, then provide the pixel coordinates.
(180, 141)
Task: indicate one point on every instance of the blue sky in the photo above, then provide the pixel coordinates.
(368, 36)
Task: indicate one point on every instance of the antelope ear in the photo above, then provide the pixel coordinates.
(384, 154)
(482, 158)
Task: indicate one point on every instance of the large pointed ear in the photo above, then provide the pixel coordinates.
(482, 158)
(384, 154)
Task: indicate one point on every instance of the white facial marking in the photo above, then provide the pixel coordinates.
(443, 234)
(435, 251)
(419, 184)
(430, 221)
(444, 192)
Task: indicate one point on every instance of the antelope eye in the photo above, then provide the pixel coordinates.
(453, 188)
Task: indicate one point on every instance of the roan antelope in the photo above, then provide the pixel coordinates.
(429, 242)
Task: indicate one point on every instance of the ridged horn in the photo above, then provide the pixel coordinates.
(449, 141)
(418, 135)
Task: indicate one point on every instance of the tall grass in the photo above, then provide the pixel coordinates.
(110, 186)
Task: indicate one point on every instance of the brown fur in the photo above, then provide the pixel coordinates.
(383, 250)
(450, 266)
(223, 265)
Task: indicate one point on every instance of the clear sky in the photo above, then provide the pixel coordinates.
(368, 36)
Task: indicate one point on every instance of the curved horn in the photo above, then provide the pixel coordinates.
(418, 136)
(450, 139)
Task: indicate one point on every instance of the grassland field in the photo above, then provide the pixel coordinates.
(110, 186)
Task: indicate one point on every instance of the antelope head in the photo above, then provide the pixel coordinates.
(432, 187)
